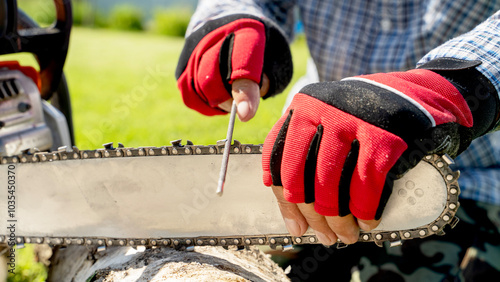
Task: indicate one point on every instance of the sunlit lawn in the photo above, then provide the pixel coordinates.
(123, 89)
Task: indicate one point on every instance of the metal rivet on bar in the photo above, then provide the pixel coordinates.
(422, 232)
(211, 150)
(163, 151)
(141, 152)
(248, 241)
(248, 149)
(129, 153)
(407, 234)
(298, 240)
(199, 242)
(212, 242)
(453, 191)
(449, 177)
(151, 152)
(446, 218)
(366, 237)
(435, 228)
(198, 151)
(236, 241)
(187, 150)
(272, 241)
(378, 237)
(440, 164)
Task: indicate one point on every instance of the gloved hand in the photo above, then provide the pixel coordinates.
(232, 56)
(340, 146)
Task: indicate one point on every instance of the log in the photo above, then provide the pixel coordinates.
(80, 263)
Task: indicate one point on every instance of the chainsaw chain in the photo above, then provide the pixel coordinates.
(441, 163)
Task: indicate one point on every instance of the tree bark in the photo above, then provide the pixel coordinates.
(79, 263)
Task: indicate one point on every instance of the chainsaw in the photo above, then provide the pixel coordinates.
(52, 192)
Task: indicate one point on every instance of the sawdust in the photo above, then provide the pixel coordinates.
(165, 264)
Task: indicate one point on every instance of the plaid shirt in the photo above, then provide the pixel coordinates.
(352, 37)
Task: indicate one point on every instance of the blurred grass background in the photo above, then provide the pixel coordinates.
(121, 80)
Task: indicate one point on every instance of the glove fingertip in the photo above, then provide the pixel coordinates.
(267, 179)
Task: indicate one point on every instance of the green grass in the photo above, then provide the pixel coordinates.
(27, 268)
(123, 89)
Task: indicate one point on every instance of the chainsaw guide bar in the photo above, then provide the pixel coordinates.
(156, 196)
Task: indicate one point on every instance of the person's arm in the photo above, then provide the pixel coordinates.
(333, 156)
(234, 50)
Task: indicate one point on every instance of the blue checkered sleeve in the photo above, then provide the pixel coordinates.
(280, 12)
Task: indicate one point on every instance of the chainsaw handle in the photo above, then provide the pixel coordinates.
(18, 33)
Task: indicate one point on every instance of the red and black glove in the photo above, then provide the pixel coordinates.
(342, 144)
(230, 48)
